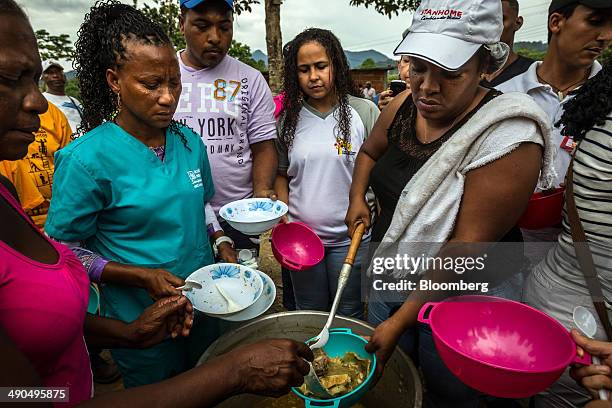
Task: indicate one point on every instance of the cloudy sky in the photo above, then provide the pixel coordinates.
(357, 27)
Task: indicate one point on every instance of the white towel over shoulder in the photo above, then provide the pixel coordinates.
(429, 204)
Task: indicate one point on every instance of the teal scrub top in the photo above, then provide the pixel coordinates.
(113, 194)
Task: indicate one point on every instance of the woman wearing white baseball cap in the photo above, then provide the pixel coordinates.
(464, 159)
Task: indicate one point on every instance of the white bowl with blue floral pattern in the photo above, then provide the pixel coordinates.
(261, 306)
(244, 285)
(253, 216)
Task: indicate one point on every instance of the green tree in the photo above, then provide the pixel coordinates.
(72, 88)
(529, 53)
(166, 13)
(54, 46)
(388, 8)
(606, 56)
(368, 64)
(242, 52)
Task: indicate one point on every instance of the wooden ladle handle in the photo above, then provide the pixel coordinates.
(355, 241)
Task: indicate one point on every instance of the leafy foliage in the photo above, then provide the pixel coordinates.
(72, 88)
(368, 63)
(530, 53)
(388, 8)
(606, 56)
(241, 6)
(54, 46)
(166, 14)
(392, 76)
(531, 45)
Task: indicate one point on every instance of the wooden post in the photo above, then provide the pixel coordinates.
(274, 44)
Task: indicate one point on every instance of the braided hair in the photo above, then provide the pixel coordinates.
(590, 106)
(342, 83)
(100, 46)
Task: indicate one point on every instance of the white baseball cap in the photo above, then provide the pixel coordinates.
(448, 33)
(51, 63)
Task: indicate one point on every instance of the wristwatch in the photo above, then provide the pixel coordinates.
(219, 241)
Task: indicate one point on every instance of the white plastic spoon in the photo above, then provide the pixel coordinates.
(232, 306)
(586, 323)
(190, 285)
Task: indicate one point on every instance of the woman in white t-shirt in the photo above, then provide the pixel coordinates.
(321, 129)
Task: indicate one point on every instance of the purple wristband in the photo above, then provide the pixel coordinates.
(94, 264)
(96, 268)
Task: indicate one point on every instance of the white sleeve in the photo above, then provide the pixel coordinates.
(212, 224)
(503, 138)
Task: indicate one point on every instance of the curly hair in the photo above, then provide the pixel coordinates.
(590, 106)
(100, 46)
(342, 83)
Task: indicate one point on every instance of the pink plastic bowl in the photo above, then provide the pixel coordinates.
(500, 347)
(296, 246)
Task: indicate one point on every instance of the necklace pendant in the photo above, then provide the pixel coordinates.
(560, 95)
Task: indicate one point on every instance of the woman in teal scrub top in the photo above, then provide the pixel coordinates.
(133, 188)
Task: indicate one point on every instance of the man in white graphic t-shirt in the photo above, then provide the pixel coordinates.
(229, 104)
(55, 82)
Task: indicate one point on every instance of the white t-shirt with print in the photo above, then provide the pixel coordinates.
(320, 167)
(69, 106)
(231, 107)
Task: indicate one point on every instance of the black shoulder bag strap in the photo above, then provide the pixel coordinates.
(583, 252)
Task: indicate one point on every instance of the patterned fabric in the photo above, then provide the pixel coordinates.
(402, 131)
(94, 264)
(160, 152)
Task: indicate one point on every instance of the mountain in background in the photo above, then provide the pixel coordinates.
(355, 58)
(258, 55)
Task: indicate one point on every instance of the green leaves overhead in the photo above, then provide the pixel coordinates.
(388, 8)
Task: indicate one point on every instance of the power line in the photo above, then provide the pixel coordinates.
(373, 42)
(543, 4)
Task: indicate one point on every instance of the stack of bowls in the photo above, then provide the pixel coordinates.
(253, 291)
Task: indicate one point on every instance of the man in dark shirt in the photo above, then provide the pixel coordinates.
(516, 64)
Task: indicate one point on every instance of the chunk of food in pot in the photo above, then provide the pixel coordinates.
(321, 362)
(339, 375)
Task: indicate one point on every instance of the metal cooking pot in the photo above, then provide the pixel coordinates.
(400, 386)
